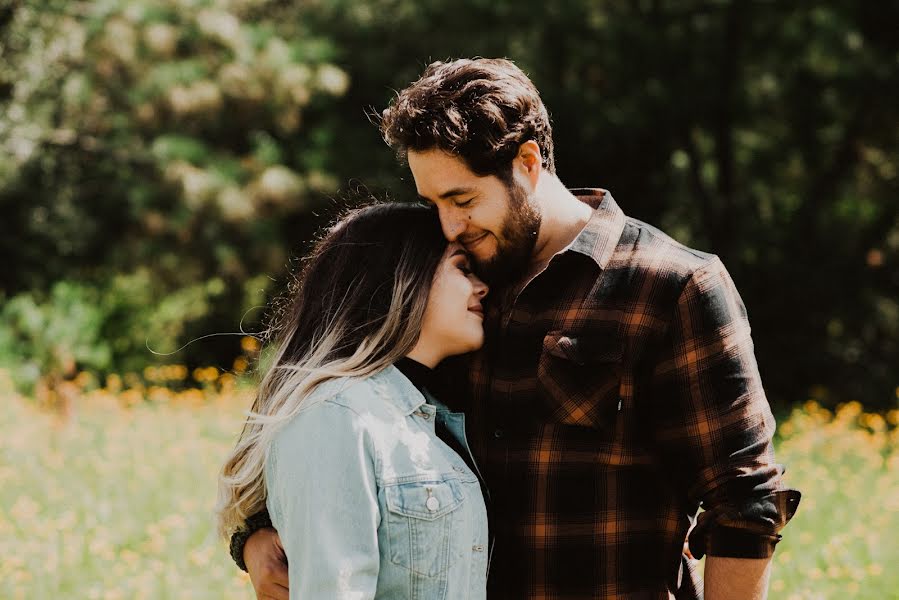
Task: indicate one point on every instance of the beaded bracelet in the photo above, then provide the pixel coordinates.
(239, 538)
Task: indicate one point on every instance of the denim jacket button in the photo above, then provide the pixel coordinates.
(458, 469)
(433, 504)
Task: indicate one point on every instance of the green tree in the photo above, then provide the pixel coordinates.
(170, 141)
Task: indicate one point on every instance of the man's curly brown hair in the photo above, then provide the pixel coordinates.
(479, 109)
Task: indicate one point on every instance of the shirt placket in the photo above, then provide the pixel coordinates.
(508, 428)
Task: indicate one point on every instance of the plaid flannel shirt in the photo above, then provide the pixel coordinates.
(617, 393)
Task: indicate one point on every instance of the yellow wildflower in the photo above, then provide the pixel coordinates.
(249, 344)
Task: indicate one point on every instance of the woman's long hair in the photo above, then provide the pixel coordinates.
(354, 309)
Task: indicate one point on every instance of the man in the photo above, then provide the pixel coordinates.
(617, 391)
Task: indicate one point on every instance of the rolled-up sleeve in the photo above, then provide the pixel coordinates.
(323, 499)
(713, 422)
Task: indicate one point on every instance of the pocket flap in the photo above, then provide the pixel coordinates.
(584, 349)
(426, 500)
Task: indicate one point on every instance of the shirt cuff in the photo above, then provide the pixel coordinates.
(239, 538)
(745, 533)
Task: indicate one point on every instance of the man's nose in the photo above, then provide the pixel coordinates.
(452, 225)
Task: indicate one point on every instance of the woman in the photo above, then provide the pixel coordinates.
(341, 446)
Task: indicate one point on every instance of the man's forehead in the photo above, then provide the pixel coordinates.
(440, 175)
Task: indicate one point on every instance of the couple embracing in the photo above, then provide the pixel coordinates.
(516, 391)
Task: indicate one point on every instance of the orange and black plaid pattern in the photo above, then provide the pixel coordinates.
(616, 394)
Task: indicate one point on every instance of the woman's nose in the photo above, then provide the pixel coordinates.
(480, 289)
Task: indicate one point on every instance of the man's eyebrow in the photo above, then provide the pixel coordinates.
(458, 191)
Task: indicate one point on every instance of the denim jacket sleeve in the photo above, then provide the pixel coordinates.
(323, 499)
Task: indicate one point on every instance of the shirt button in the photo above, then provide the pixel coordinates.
(432, 504)
(498, 434)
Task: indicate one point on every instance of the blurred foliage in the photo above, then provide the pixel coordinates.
(55, 336)
(106, 328)
(154, 159)
(197, 140)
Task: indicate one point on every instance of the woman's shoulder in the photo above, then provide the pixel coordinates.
(386, 393)
(342, 411)
(323, 420)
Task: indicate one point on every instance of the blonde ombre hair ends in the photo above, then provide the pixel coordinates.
(355, 308)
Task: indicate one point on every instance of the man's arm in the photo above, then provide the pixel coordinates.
(736, 578)
(256, 548)
(714, 429)
(267, 565)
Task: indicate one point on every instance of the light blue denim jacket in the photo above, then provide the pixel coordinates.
(370, 503)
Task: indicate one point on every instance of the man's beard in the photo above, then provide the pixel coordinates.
(515, 245)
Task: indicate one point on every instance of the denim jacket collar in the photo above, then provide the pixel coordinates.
(410, 397)
(390, 383)
(404, 394)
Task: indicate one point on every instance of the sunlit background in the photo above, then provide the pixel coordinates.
(163, 162)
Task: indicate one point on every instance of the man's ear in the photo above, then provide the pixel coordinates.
(529, 161)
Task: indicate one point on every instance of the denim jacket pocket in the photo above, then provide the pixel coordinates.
(420, 520)
(580, 378)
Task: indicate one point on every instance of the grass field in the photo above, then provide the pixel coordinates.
(116, 502)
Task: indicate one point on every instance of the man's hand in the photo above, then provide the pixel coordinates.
(267, 564)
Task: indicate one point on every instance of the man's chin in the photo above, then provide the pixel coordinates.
(483, 249)
(498, 271)
(483, 260)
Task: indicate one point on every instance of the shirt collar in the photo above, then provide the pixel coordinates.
(598, 238)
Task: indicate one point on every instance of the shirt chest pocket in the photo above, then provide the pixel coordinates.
(421, 516)
(580, 378)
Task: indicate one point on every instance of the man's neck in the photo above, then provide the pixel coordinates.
(564, 216)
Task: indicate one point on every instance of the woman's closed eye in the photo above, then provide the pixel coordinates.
(463, 265)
